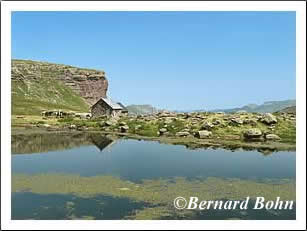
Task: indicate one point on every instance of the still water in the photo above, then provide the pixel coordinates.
(98, 177)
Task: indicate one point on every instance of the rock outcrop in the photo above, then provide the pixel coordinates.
(89, 84)
(252, 133)
(203, 134)
(272, 137)
(269, 119)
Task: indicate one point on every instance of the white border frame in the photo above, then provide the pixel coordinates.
(7, 7)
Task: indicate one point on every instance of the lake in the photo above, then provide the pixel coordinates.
(91, 176)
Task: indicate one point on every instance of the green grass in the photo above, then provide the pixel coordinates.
(31, 97)
(147, 128)
(286, 131)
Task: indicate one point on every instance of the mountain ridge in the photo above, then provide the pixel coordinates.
(38, 86)
(267, 106)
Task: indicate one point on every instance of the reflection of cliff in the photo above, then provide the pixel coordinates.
(37, 143)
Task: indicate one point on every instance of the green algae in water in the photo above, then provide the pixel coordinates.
(157, 194)
(27, 205)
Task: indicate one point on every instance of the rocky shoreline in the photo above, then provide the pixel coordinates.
(217, 130)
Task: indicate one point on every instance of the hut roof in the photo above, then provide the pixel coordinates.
(111, 103)
(123, 107)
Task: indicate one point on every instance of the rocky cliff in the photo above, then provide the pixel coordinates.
(89, 84)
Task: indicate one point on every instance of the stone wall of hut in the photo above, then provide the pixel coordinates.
(101, 109)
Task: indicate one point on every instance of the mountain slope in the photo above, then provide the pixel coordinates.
(30, 98)
(289, 110)
(38, 86)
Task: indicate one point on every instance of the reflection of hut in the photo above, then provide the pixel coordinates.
(101, 142)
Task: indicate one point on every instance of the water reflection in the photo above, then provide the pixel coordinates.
(93, 176)
(38, 143)
(139, 160)
(101, 142)
(46, 142)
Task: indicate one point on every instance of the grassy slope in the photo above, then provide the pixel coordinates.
(30, 97)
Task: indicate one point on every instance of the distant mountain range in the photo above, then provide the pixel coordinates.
(269, 106)
(291, 110)
(141, 109)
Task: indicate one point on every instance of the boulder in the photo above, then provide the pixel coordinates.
(250, 122)
(203, 134)
(72, 126)
(216, 122)
(185, 130)
(236, 121)
(163, 130)
(252, 133)
(124, 128)
(137, 127)
(182, 134)
(108, 123)
(207, 126)
(268, 119)
(272, 137)
(168, 121)
(80, 128)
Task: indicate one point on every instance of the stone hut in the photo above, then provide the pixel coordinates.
(105, 106)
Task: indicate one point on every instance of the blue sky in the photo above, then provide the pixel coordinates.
(173, 60)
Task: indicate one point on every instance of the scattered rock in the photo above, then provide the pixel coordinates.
(182, 134)
(185, 130)
(252, 133)
(108, 123)
(72, 126)
(163, 130)
(216, 122)
(236, 121)
(80, 128)
(122, 123)
(268, 119)
(124, 128)
(203, 134)
(168, 121)
(207, 126)
(250, 122)
(137, 127)
(272, 137)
